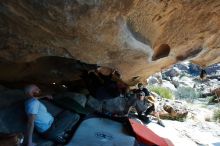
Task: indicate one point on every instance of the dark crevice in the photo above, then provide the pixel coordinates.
(135, 78)
(161, 52)
(189, 54)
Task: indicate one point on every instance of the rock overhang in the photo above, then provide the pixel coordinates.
(137, 38)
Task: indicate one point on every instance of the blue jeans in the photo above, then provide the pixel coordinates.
(63, 123)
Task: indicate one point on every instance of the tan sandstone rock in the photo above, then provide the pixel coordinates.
(135, 37)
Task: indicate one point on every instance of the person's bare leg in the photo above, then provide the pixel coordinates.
(159, 121)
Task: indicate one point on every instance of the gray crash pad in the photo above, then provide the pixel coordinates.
(101, 132)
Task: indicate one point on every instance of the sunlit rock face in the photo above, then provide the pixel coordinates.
(136, 37)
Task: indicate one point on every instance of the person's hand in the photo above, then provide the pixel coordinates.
(49, 97)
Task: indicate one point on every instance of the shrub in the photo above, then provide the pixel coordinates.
(164, 92)
(216, 115)
(211, 99)
(187, 93)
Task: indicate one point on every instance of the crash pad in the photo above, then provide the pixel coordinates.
(101, 132)
(146, 136)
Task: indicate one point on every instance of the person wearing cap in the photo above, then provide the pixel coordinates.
(141, 105)
(145, 106)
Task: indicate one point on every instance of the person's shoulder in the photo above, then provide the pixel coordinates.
(32, 106)
(139, 101)
(134, 100)
(145, 89)
(32, 101)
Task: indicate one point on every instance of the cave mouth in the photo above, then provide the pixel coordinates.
(161, 52)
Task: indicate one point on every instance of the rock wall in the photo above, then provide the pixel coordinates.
(136, 37)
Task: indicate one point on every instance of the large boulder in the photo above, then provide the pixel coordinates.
(115, 105)
(194, 69)
(120, 34)
(213, 69)
(9, 97)
(169, 85)
(182, 66)
(172, 72)
(175, 110)
(152, 80)
(79, 98)
(155, 79)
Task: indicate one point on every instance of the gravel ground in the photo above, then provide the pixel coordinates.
(196, 130)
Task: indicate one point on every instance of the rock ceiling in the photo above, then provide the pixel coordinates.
(136, 37)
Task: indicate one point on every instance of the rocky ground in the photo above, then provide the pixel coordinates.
(198, 128)
(195, 130)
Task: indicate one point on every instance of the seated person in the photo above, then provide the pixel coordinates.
(144, 107)
(141, 88)
(53, 128)
(141, 105)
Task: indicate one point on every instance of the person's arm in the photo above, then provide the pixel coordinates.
(131, 106)
(46, 96)
(129, 110)
(30, 129)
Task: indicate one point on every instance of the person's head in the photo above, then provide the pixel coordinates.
(141, 95)
(32, 90)
(140, 86)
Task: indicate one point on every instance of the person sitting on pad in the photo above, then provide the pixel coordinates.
(144, 107)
